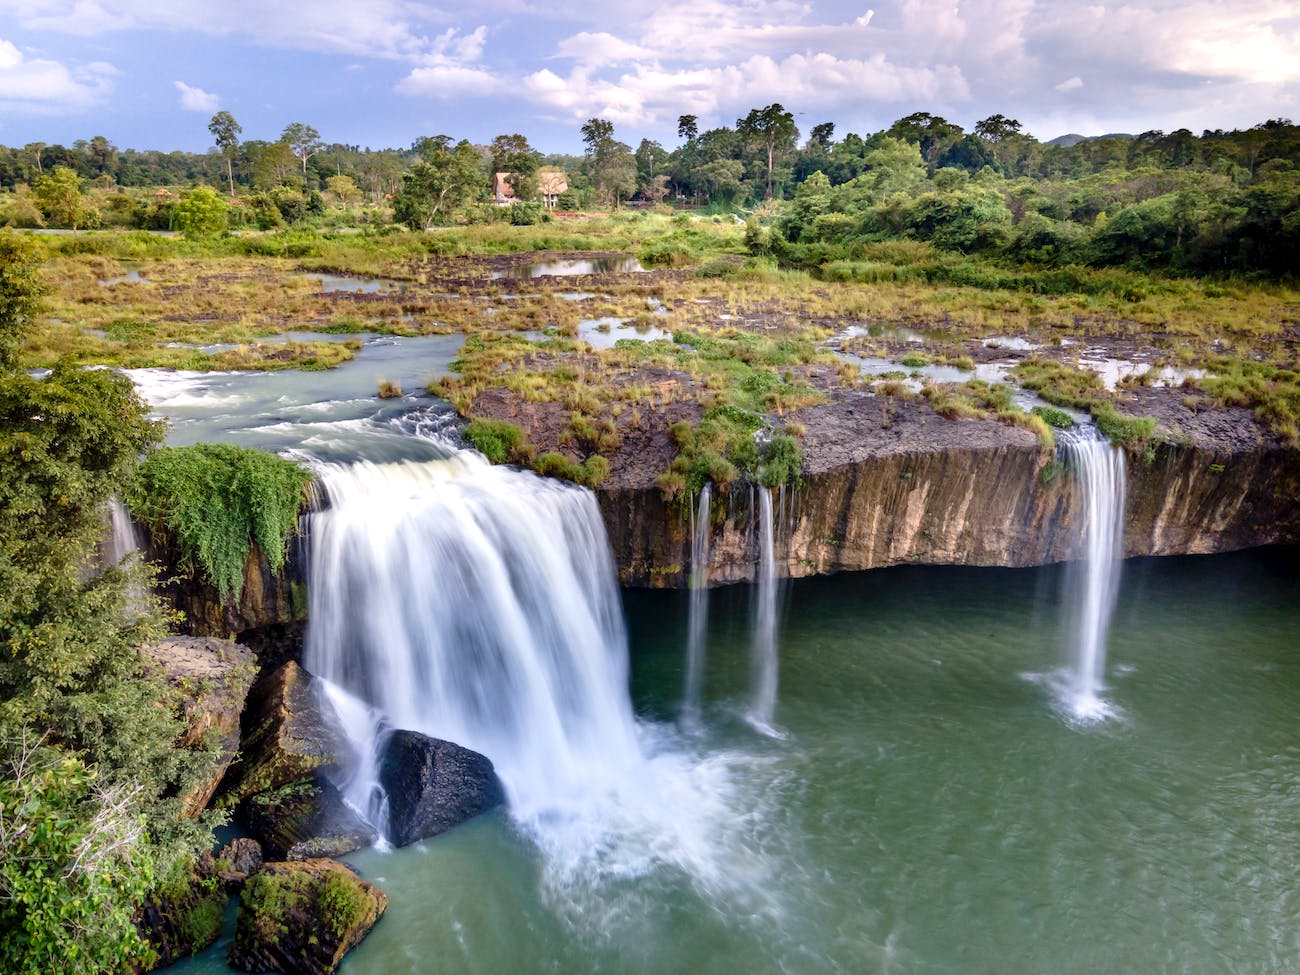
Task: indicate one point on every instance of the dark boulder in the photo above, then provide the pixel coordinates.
(238, 860)
(305, 818)
(433, 785)
(303, 917)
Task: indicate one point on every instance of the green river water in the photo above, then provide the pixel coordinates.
(929, 810)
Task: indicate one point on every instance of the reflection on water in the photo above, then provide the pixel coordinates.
(566, 267)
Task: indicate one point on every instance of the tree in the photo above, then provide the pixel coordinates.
(931, 133)
(822, 136)
(101, 154)
(344, 189)
(59, 196)
(774, 130)
(90, 790)
(303, 141)
(444, 181)
(609, 162)
(20, 293)
(513, 155)
(33, 149)
(273, 164)
(688, 127)
(225, 131)
(200, 213)
(995, 128)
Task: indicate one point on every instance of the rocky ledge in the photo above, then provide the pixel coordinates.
(887, 481)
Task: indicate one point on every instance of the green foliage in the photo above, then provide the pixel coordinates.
(497, 440)
(59, 196)
(20, 293)
(1084, 390)
(215, 501)
(1054, 417)
(341, 904)
(74, 863)
(200, 213)
(725, 447)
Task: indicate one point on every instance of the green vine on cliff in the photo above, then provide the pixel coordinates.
(214, 501)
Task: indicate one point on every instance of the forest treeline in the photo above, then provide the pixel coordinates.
(1223, 201)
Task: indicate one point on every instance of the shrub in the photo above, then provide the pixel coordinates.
(497, 440)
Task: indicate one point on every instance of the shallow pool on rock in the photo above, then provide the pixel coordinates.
(928, 812)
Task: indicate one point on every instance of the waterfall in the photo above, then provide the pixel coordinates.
(1092, 581)
(477, 604)
(763, 637)
(699, 605)
(122, 537)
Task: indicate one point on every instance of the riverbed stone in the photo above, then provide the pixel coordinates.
(303, 917)
(305, 818)
(433, 785)
(289, 732)
(209, 679)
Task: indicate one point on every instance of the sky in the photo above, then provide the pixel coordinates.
(382, 73)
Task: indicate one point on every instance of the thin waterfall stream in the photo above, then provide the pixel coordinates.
(1092, 580)
(698, 619)
(762, 707)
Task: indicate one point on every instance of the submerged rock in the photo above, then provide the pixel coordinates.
(433, 785)
(210, 680)
(289, 733)
(303, 917)
(306, 818)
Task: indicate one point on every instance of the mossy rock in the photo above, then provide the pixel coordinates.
(306, 818)
(289, 733)
(184, 917)
(303, 917)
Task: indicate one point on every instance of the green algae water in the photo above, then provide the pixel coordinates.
(930, 808)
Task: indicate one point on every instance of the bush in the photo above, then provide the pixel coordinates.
(200, 214)
(497, 440)
(73, 871)
(1054, 417)
(215, 501)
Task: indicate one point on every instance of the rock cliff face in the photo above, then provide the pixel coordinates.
(881, 490)
(888, 482)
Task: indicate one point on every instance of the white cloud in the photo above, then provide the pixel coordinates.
(196, 99)
(377, 28)
(1070, 84)
(601, 48)
(450, 80)
(652, 94)
(38, 85)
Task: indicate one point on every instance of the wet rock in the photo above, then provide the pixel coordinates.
(433, 785)
(210, 679)
(303, 917)
(238, 860)
(268, 596)
(184, 917)
(306, 818)
(289, 733)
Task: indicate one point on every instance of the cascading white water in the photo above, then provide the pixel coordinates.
(1093, 579)
(122, 537)
(763, 652)
(699, 605)
(476, 604)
